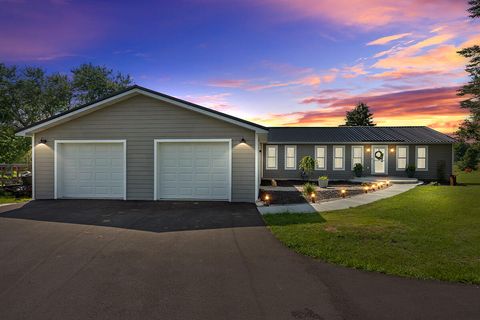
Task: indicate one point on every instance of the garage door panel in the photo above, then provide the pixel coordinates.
(91, 170)
(193, 170)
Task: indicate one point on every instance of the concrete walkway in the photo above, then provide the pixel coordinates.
(339, 204)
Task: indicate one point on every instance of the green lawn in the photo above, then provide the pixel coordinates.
(10, 199)
(430, 232)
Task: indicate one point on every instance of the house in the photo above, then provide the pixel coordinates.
(139, 144)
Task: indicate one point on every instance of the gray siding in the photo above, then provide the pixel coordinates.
(140, 120)
(436, 154)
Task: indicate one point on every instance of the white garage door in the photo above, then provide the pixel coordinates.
(193, 170)
(90, 170)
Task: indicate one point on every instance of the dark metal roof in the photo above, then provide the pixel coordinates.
(356, 135)
(149, 91)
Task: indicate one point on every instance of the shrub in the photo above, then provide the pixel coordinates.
(323, 178)
(470, 159)
(358, 169)
(308, 189)
(441, 170)
(410, 170)
(460, 149)
(307, 165)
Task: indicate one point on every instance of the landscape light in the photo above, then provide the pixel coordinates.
(343, 192)
(365, 189)
(312, 197)
(267, 200)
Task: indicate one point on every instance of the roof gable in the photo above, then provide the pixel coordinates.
(126, 94)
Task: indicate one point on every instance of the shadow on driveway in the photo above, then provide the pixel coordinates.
(151, 216)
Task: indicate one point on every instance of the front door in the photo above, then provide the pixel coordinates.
(379, 159)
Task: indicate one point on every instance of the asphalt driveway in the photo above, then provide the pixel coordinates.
(76, 259)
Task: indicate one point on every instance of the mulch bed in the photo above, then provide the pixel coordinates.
(292, 197)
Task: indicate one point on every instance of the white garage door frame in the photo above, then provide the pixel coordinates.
(155, 160)
(55, 161)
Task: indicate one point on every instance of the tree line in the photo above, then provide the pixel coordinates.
(30, 94)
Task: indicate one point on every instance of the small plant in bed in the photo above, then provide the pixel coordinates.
(309, 189)
(358, 169)
(410, 170)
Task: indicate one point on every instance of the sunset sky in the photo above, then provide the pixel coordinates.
(275, 62)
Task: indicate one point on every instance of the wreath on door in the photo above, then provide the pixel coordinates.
(379, 155)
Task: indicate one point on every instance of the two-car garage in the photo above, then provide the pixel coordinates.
(144, 145)
(183, 170)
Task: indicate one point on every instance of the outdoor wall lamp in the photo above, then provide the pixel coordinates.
(392, 150)
(243, 140)
(43, 140)
(368, 149)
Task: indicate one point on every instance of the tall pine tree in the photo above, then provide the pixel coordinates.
(469, 130)
(359, 116)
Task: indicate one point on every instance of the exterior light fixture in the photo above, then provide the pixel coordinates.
(312, 197)
(365, 189)
(43, 140)
(343, 192)
(392, 150)
(243, 140)
(368, 149)
(374, 186)
(388, 183)
(267, 200)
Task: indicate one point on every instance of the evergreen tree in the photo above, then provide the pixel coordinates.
(469, 130)
(359, 116)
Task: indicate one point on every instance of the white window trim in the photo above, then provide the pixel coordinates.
(33, 166)
(55, 161)
(343, 158)
(266, 157)
(426, 158)
(363, 157)
(324, 158)
(257, 177)
(155, 161)
(294, 157)
(396, 158)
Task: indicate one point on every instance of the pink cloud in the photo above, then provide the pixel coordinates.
(214, 101)
(388, 39)
(228, 83)
(371, 13)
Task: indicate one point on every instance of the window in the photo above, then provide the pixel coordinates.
(321, 157)
(272, 153)
(290, 157)
(357, 155)
(402, 157)
(422, 158)
(338, 157)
